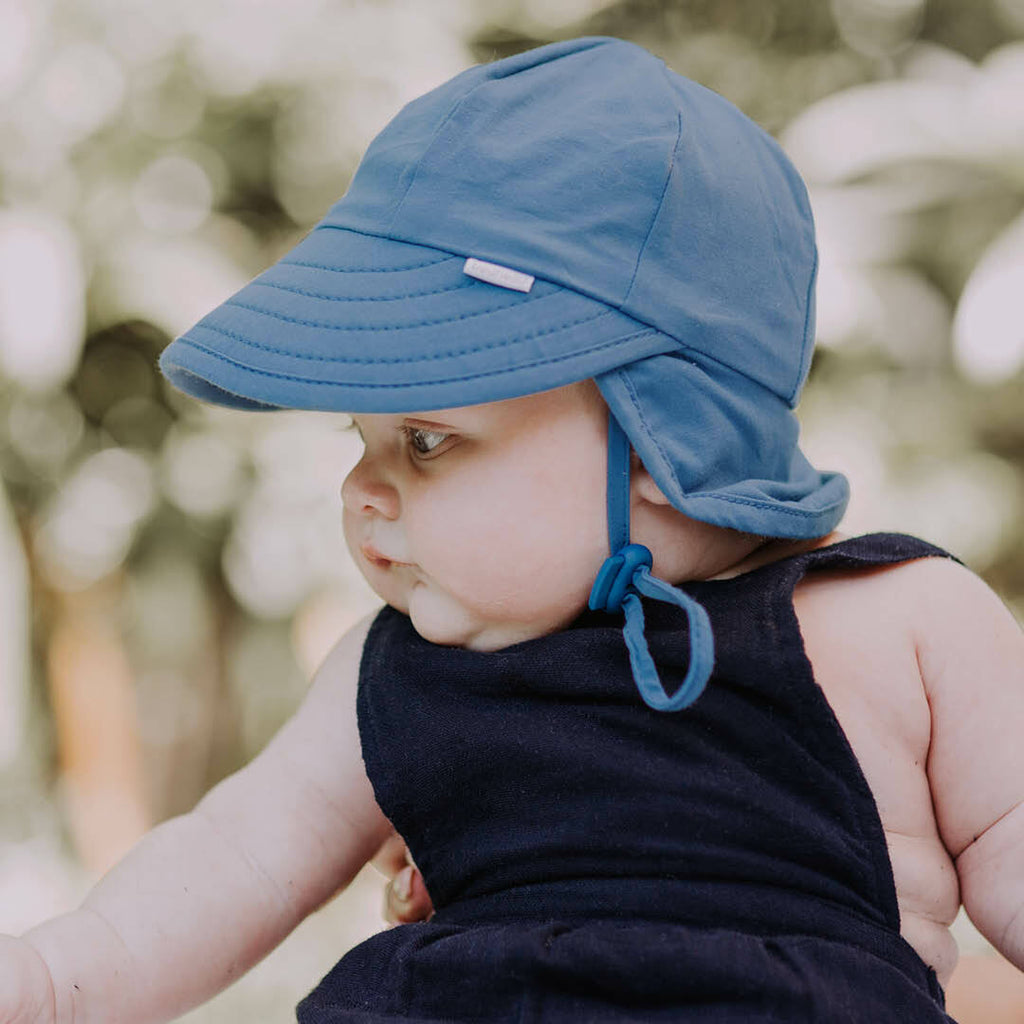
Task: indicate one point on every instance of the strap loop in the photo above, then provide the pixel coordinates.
(622, 577)
(626, 574)
(702, 645)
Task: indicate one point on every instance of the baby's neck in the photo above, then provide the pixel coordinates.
(772, 549)
(687, 549)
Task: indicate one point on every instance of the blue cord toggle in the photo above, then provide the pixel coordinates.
(616, 577)
(625, 575)
(621, 578)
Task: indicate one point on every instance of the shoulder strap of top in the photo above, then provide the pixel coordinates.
(768, 588)
(869, 549)
(765, 594)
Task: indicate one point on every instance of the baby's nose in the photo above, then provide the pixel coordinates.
(365, 492)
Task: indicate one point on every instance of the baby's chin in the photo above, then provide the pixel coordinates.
(441, 620)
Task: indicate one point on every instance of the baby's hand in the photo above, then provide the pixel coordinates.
(26, 992)
(406, 899)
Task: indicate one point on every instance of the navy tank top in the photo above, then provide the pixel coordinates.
(591, 859)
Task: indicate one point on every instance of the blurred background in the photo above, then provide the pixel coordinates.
(160, 613)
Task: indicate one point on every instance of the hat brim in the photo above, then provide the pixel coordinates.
(352, 322)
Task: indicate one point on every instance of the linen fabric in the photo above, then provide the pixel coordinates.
(593, 860)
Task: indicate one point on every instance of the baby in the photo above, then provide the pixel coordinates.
(664, 745)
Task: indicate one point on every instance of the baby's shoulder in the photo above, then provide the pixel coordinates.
(938, 601)
(930, 614)
(859, 632)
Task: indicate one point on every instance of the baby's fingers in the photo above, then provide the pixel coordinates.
(406, 899)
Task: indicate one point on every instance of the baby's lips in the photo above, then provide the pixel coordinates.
(375, 557)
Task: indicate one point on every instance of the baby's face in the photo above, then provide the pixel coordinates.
(485, 524)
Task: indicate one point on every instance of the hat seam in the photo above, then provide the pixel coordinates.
(417, 359)
(364, 270)
(540, 274)
(321, 325)
(574, 288)
(380, 386)
(771, 506)
(805, 356)
(658, 206)
(368, 298)
(430, 145)
(594, 42)
(701, 355)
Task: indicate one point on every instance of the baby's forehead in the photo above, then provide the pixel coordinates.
(581, 397)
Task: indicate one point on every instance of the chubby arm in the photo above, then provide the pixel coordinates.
(204, 896)
(971, 655)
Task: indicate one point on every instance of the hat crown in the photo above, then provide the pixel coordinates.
(554, 166)
(591, 164)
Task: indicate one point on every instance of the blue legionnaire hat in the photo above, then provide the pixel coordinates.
(575, 211)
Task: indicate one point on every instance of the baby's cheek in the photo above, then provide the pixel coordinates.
(538, 585)
(493, 565)
(526, 554)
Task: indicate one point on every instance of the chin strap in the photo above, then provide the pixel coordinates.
(625, 575)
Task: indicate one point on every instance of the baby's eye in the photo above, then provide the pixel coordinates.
(423, 441)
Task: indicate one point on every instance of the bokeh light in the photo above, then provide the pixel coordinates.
(89, 526)
(169, 282)
(45, 431)
(271, 566)
(21, 28)
(202, 472)
(14, 629)
(42, 291)
(173, 194)
(988, 332)
(878, 28)
(81, 88)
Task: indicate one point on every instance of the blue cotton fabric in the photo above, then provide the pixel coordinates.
(593, 860)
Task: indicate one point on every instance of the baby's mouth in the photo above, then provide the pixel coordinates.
(375, 558)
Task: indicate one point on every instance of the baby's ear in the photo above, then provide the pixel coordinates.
(642, 484)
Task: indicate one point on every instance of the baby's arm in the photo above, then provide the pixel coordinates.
(971, 654)
(206, 895)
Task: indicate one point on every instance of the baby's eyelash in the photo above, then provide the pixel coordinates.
(411, 434)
